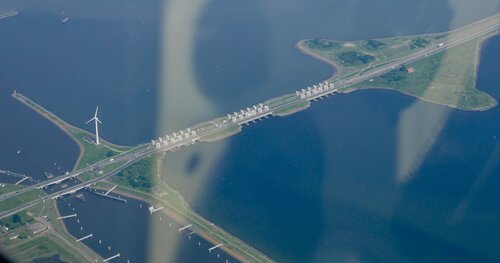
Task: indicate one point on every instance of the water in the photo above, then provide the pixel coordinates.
(42, 146)
(97, 58)
(123, 228)
(321, 185)
(316, 186)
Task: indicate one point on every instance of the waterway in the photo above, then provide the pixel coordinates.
(318, 186)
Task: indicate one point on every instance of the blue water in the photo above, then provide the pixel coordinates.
(124, 228)
(42, 146)
(318, 186)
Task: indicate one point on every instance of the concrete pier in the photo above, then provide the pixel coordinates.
(214, 247)
(110, 258)
(83, 238)
(109, 191)
(22, 180)
(182, 228)
(68, 216)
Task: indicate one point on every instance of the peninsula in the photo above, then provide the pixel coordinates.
(447, 78)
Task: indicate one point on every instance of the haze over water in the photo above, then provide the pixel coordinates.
(316, 186)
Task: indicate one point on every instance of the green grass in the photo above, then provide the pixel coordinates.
(446, 78)
(373, 44)
(93, 153)
(137, 175)
(43, 247)
(20, 199)
(230, 130)
(292, 108)
(354, 58)
(106, 169)
(322, 44)
(7, 188)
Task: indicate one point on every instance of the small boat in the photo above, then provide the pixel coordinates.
(65, 20)
(18, 151)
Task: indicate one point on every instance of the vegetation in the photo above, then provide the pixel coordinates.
(292, 108)
(7, 188)
(373, 45)
(351, 57)
(354, 58)
(23, 234)
(137, 175)
(419, 42)
(43, 247)
(446, 78)
(321, 44)
(16, 220)
(227, 132)
(394, 76)
(20, 199)
(93, 153)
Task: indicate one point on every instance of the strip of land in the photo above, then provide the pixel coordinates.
(446, 78)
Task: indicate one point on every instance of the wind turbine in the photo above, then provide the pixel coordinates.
(96, 127)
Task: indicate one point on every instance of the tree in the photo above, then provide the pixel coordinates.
(16, 218)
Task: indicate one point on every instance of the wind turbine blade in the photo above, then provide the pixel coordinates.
(89, 121)
(97, 119)
(96, 109)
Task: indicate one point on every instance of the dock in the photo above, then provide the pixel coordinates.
(83, 238)
(22, 180)
(106, 195)
(109, 191)
(152, 209)
(64, 217)
(182, 228)
(214, 247)
(21, 176)
(110, 258)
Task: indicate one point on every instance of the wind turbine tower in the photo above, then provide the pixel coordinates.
(96, 120)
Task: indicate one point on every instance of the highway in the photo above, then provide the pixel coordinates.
(145, 150)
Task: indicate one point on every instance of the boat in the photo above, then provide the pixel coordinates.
(65, 20)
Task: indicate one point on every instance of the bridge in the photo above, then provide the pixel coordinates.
(246, 116)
